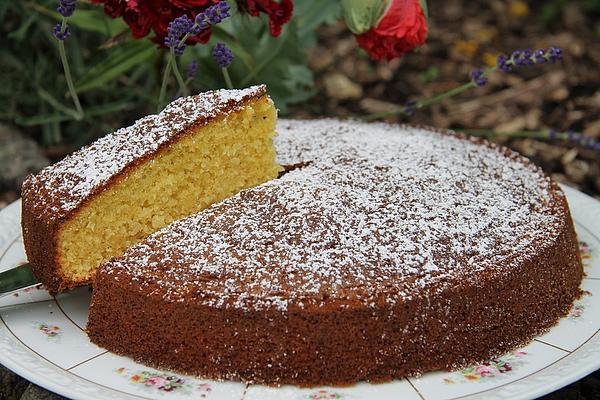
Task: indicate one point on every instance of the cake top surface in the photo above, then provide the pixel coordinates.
(379, 213)
(62, 187)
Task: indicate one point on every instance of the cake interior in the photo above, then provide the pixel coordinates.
(204, 166)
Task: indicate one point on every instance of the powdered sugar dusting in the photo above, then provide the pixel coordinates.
(62, 187)
(380, 213)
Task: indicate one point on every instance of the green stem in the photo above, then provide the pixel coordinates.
(227, 78)
(183, 39)
(187, 82)
(180, 81)
(44, 95)
(430, 101)
(163, 87)
(443, 96)
(375, 116)
(56, 135)
(65, 63)
(266, 60)
(490, 133)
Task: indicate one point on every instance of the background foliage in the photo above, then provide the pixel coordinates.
(118, 78)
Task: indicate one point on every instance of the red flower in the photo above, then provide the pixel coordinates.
(402, 28)
(139, 21)
(191, 4)
(279, 13)
(144, 16)
(114, 8)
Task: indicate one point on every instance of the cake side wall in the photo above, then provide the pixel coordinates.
(39, 239)
(466, 323)
(572, 244)
(475, 323)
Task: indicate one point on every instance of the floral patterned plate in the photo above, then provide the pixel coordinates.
(42, 338)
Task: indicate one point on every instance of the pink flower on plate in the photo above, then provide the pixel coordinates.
(576, 312)
(324, 395)
(504, 368)
(519, 353)
(157, 381)
(486, 370)
(51, 331)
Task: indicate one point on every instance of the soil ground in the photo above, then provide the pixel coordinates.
(468, 34)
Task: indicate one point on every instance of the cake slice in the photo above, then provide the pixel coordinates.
(102, 199)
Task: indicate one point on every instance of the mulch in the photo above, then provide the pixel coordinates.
(468, 34)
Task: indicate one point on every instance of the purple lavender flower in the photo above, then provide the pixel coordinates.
(520, 58)
(59, 33)
(583, 141)
(517, 58)
(66, 8)
(527, 57)
(178, 51)
(478, 77)
(218, 12)
(202, 22)
(503, 63)
(192, 69)
(178, 28)
(409, 107)
(212, 15)
(554, 54)
(576, 139)
(173, 43)
(222, 55)
(539, 56)
(224, 8)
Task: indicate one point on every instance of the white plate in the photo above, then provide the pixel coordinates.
(43, 339)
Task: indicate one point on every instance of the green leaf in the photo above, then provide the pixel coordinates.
(425, 8)
(94, 20)
(9, 60)
(109, 108)
(91, 18)
(46, 119)
(4, 8)
(57, 105)
(310, 14)
(119, 61)
(21, 33)
(42, 119)
(430, 74)
(267, 56)
(362, 15)
(281, 65)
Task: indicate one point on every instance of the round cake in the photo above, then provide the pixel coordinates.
(381, 252)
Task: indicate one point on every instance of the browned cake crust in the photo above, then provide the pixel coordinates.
(56, 194)
(279, 307)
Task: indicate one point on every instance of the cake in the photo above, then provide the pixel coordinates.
(382, 251)
(104, 198)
